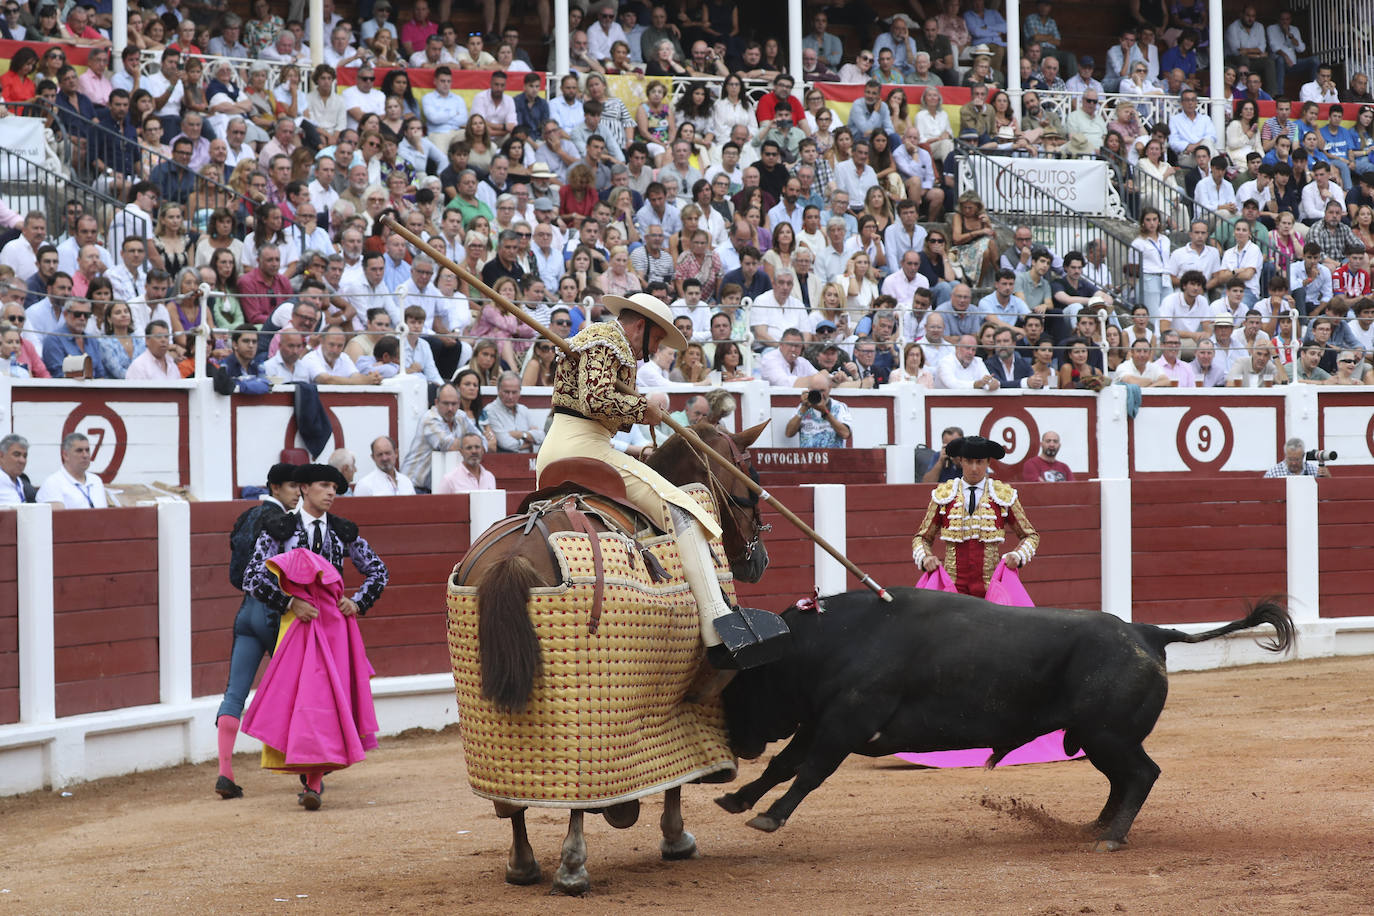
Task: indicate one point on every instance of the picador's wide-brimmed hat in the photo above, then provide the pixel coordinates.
(650, 308)
(974, 447)
(322, 473)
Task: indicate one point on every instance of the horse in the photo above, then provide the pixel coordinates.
(511, 655)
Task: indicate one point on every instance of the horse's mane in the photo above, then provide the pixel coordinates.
(678, 461)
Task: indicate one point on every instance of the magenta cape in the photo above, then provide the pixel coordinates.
(1005, 588)
(314, 704)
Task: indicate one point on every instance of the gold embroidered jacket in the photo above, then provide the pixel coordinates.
(948, 520)
(585, 381)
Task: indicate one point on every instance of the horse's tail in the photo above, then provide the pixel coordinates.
(1269, 611)
(506, 638)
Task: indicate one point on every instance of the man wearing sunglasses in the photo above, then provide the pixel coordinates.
(70, 339)
(364, 98)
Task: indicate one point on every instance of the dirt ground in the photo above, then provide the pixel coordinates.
(1264, 806)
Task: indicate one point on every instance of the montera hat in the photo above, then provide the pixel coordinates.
(974, 447)
(280, 474)
(653, 310)
(321, 473)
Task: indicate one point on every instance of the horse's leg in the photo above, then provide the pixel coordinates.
(522, 867)
(677, 843)
(571, 878)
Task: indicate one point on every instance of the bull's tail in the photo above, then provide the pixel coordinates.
(1269, 611)
(508, 644)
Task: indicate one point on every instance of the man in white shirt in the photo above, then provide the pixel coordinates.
(653, 372)
(74, 486)
(1196, 255)
(1244, 262)
(321, 188)
(566, 109)
(694, 310)
(964, 369)
(1189, 129)
(328, 364)
(604, 32)
(166, 88)
(21, 254)
(127, 278)
(1214, 192)
(385, 479)
(1321, 90)
(902, 284)
(1187, 312)
(288, 365)
(15, 489)
(832, 260)
(1227, 348)
(1287, 46)
(365, 97)
(416, 353)
(785, 367)
(444, 110)
(854, 176)
(87, 233)
(904, 234)
(155, 364)
(778, 310)
(1247, 45)
(937, 349)
(1139, 370)
(136, 219)
(1317, 193)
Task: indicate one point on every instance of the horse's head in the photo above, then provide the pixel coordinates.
(741, 523)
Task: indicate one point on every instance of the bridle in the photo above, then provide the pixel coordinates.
(721, 494)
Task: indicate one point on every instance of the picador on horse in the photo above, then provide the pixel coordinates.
(576, 627)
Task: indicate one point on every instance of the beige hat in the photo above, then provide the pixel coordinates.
(650, 308)
(540, 170)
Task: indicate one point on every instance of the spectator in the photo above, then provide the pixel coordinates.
(74, 486)
(1045, 467)
(1308, 369)
(287, 365)
(1259, 370)
(1179, 373)
(1322, 90)
(1139, 370)
(962, 370)
(15, 488)
(328, 364)
(440, 429)
(71, 339)
(1295, 463)
(511, 421)
(156, 363)
(262, 289)
(470, 475)
(384, 479)
(1189, 129)
(820, 420)
(1009, 369)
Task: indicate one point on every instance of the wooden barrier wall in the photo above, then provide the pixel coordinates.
(791, 555)
(1066, 572)
(1203, 547)
(105, 620)
(214, 602)
(9, 621)
(1346, 545)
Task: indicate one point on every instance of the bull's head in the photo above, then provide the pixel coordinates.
(759, 708)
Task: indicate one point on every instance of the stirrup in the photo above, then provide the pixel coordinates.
(749, 638)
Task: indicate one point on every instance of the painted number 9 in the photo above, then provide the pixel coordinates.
(1009, 438)
(1204, 439)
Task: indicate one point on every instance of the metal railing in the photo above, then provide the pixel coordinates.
(26, 185)
(1338, 30)
(1054, 223)
(1152, 109)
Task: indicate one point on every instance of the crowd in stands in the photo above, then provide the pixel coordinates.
(796, 245)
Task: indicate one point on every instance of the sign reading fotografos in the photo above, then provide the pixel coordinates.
(1080, 184)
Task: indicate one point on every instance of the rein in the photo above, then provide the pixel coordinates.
(740, 459)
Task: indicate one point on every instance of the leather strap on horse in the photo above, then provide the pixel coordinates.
(579, 523)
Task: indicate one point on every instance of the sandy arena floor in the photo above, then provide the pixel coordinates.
(1264, 806)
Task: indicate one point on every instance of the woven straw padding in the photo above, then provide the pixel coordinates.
(608, 721)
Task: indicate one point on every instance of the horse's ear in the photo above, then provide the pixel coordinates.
(746, 438)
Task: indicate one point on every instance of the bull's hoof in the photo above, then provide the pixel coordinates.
(684, 847)
(622, 815)
(765, 823)
(1108, 845)
(571, 883)
(732, 803)
(524, 876)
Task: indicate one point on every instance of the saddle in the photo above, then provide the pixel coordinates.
(579, 488)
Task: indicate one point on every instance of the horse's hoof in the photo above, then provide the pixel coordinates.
(1108, 845)
(571, 884)
(523, 877)
(732, 803)
(765, 823)
(622, 815)
(684, 847)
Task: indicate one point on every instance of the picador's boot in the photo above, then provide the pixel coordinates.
(736, 637)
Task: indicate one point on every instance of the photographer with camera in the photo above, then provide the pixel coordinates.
(822, 421)
(1298, 462)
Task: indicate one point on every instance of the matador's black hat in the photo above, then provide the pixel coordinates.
(319, 473)
(974, 447)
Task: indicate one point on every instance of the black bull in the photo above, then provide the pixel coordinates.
(934, 671)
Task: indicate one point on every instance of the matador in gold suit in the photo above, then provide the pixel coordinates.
(971, 514)
(589, 410)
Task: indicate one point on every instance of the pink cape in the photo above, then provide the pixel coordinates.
(1005, 588)
(314, 704)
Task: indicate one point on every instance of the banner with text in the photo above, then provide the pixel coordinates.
(1080, 184)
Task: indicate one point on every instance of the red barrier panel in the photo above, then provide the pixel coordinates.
(1346, 545)
(420, 538)
(214, 602)
(105, 617)
(9, 621)
(1204, 547)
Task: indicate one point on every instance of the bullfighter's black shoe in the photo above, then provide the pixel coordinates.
(226, 788)
(749, 637)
